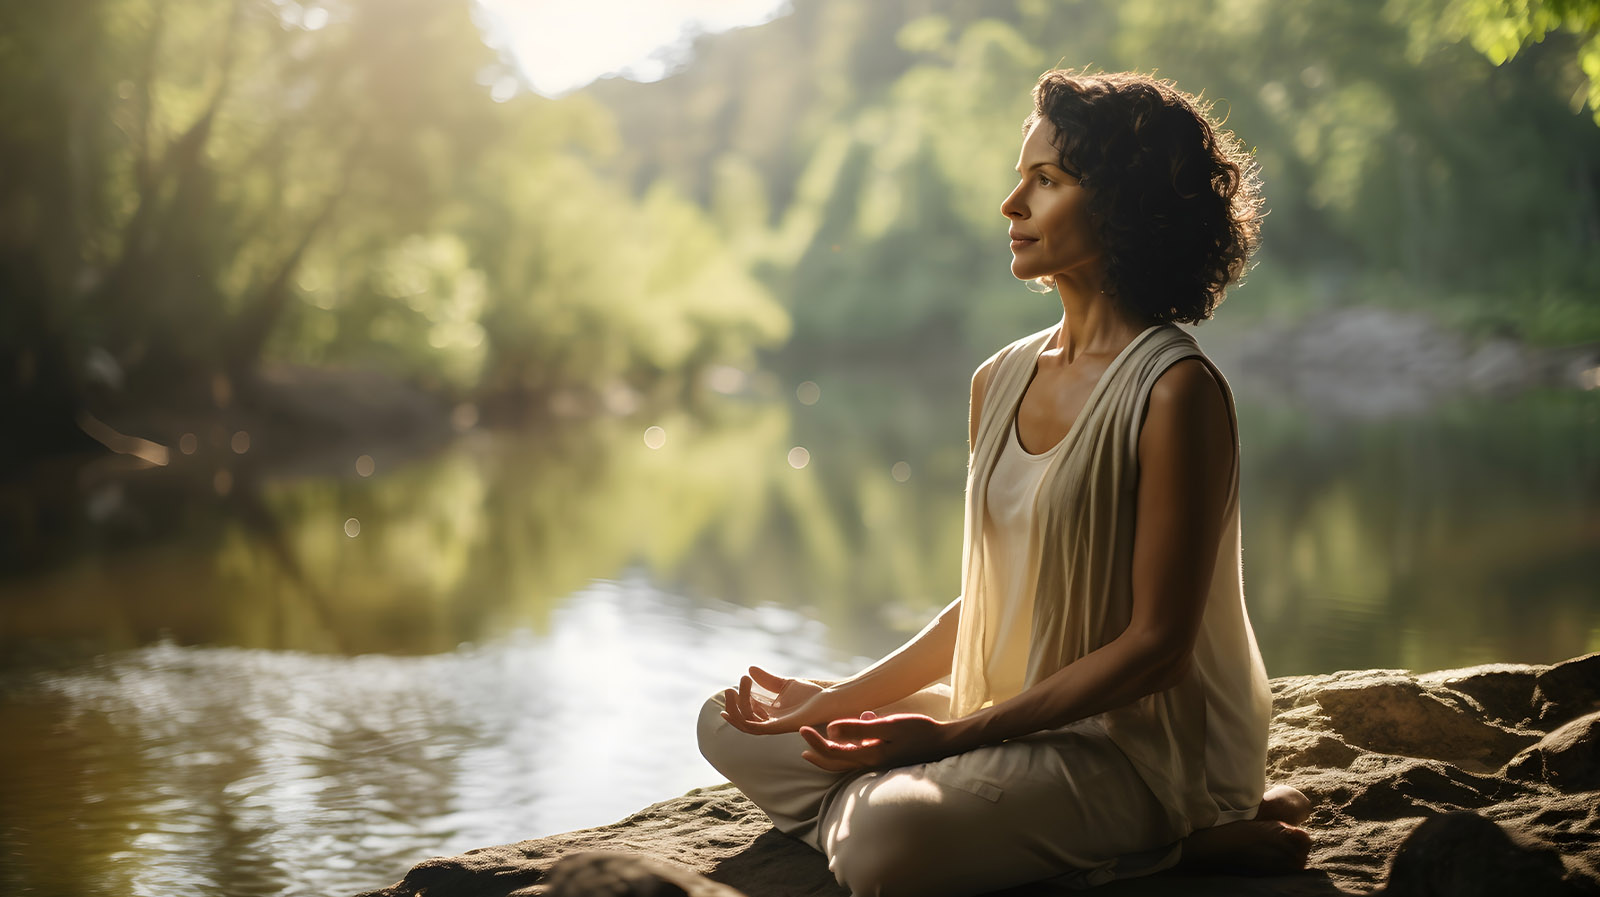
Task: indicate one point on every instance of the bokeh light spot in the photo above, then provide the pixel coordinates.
(365, 465)
(901, 471)
(222, 482)
(725, 379)
(799, 457)
(188, 443)
(655, 437)
(240, 442)
(352, 527)
(808, 393)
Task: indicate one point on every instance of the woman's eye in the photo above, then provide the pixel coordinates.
(1043, 180)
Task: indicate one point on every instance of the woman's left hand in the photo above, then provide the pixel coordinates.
(878, 742)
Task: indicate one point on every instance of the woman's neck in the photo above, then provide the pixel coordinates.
(1091, 321)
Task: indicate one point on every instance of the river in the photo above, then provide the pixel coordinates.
(228, 679)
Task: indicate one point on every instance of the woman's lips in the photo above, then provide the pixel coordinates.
(1018, 244)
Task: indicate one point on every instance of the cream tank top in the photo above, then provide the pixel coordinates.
(1013, 533)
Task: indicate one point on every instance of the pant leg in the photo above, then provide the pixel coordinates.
(771, 772)
(1061, 805)
(768, 769)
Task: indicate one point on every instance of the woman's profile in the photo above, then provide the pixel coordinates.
(1093, 706)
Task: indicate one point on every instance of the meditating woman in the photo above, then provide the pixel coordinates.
(1106, 708)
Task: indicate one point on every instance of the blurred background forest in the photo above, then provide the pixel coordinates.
(197, 188)
(371, 417)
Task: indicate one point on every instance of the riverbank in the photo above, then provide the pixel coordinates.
(1378, 751)
(1370, 362)
(1351, 362)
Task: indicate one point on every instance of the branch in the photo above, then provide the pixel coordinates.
(258, 320)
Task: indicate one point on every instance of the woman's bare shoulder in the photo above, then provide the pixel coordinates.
(1187, 407)
(1188, 380)
(980, 385)
(981, 377)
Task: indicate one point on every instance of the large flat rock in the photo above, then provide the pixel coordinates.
(1377, 751)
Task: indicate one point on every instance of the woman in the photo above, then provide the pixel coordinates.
(1107, 708)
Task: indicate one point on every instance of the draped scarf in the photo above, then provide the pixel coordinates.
(1200, 745)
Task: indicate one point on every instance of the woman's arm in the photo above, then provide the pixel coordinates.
(921, 661)
(1186, 457)
(924, 659)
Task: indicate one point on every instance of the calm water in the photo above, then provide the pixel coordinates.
(301, 680)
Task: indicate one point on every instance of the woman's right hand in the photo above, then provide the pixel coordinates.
(795, 703)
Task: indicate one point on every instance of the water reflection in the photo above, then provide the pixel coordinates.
(1468, 535)
(232, 675)
(171, 770)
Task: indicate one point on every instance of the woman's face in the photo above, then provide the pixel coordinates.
(1049, 214)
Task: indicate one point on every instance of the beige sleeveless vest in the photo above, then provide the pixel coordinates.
(1201, 745)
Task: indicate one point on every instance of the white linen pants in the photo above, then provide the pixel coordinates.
(1063, 804)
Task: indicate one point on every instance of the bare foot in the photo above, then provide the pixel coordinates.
(1250, 847)
(1284, 804)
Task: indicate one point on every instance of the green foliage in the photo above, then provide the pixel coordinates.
(208, 184)
(1500, 29)
(1390, 148)
(201, 185)
(598, 285)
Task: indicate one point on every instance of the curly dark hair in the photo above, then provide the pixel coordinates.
(1175, 200)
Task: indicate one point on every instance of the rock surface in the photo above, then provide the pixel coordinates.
(1372, 362)
(1501, 761)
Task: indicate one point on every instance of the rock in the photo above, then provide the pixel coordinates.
(1399, 715)
(1567, 759)
(1504, 691)
(1387, 756)
(712, 831)
(1568, 690)
(610, 874)
(1367, 361)
(1464, 855)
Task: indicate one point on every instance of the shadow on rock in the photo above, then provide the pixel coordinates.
(1464, 855)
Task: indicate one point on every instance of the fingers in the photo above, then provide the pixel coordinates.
(768, 681)
(835, 756)
(748, 706)
(743, 699)
(733, 715)
(739, 717)
(834, 745)
(828, 763)
(863, 731)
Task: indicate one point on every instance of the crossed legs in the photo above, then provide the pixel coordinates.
(1031, 809)
(1062, 804)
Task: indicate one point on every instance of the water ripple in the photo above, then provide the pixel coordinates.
(176, 770)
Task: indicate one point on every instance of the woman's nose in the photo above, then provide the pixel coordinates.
(1012, 207)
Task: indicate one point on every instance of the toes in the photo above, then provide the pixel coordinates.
(1297, 844)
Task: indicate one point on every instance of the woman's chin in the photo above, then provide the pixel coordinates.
(1025, 275)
